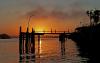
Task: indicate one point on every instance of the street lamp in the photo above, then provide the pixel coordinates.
(29, 20)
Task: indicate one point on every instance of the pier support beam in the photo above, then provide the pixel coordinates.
(20, 43)
(26, 44)
(62, 37)
(33, 43)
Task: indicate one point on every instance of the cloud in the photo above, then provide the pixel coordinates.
(68, 10)
(41, 12)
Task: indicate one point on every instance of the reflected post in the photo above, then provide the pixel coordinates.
(62, 40)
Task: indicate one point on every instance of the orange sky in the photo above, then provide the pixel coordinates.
(40, 24)
(46, 14)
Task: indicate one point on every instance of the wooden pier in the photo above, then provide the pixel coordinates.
(27, 41)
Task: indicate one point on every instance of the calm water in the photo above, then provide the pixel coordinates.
(51, 51)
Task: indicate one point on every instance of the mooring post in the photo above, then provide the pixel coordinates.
(55, 31)
(20, 43)
(33, 43)
(23, 45)
(51, 30)
(26, 44)
(62, 37)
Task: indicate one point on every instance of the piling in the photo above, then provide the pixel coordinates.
(27, 44)
(62, 37)
(20, 44)
(33, 43)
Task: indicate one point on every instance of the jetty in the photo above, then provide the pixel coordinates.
(27, 40)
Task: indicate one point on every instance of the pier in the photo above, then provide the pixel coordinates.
(27, 41)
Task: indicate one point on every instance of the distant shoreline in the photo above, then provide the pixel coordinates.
(5, 36)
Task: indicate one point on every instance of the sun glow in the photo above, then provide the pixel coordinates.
(40, 29)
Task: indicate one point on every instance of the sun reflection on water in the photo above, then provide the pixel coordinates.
(40, 46)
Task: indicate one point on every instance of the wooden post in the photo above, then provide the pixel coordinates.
(20, 43)
(51, 30)
(26, 44)
(62, 37)
(33, 43)
(29, 43)
(23, 45)
(55, 31)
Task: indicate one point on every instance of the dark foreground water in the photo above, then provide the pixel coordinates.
(51, 51)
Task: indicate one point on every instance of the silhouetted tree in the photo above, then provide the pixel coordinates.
(94, 16)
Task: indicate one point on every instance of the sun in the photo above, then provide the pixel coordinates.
(39, 29)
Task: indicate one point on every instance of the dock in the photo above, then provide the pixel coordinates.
(27, 40)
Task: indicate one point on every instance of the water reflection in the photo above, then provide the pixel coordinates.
(39, 46)
(63, 49)
(28, 54)
(27, 58)
(53, 51)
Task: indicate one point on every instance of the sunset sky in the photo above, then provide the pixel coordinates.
(46, 14)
